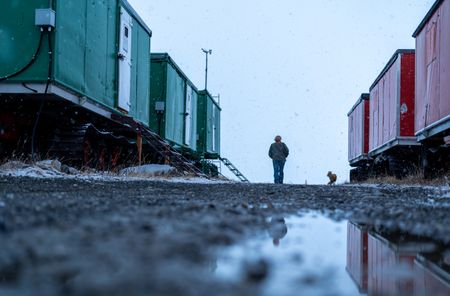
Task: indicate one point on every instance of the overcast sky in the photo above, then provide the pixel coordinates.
(290, 67)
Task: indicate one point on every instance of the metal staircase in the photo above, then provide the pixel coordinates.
(234, 170)
(166, 152)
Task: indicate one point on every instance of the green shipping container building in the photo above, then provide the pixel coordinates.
(173, 107)
(208, 126)
(101, 54)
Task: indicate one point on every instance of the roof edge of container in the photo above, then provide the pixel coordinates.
(390, 63)
(204, 91)
(363, 97)
(427, 17)
(165, 57)
(136, 15)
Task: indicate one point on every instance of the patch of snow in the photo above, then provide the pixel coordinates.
(50, 165)
(149, 170)
(54, 169)
(46, 169)
(197, 180)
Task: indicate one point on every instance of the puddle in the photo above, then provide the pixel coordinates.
(313, 255)
(307, 253)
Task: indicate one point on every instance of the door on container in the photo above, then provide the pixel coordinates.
(124, 55)
(188, 116)
(375, 119)
(432, 86)
(217, 129)
(214, 127)
(209, 124)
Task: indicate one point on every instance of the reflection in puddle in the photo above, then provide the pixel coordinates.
(295, 256)
(383, 263)
(277, 229)
(313, 255)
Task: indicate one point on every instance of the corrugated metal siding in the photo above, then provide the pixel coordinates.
(381, 261)
(96, 50)
(201, 123)
(357, 252)
(86, 48)
(174, 113)
(140, 75)
(427, 282)
(212, 121)
(351, 136)
(384, 263)
(366, 125)
(393, 88)
(218, 129)
(158, 82)
(358, 132)
(354, 132)
(208, 126)
(19, 39)
(373, 120)
(170, 85)
(444, 58)
(134, 70)
(86, 51)
(433, 68)
(193, 119)
(143, 83)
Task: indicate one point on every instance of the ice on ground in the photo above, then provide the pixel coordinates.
(149, 170)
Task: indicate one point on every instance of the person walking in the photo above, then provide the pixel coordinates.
(278, 152)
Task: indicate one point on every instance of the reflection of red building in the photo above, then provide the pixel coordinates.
(431, 278)
(386, 264)
(357, 255)
(391, 266)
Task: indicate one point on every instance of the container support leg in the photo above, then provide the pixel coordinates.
(139, 147)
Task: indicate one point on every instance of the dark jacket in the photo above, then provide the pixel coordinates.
(278, 151)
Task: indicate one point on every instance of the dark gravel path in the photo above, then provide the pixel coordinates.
(75, 237)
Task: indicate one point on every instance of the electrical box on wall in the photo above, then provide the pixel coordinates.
(160, 106)
(45, 17)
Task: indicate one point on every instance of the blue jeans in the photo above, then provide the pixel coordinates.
(278, 175)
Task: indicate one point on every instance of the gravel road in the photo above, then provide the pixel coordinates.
(81, 237)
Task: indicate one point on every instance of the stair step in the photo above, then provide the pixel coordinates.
(234, 170)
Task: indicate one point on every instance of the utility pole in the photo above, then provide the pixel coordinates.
(207, 52)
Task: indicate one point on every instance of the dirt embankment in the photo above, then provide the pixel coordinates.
(80, 237)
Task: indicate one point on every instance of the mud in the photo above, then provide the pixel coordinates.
(80, 237)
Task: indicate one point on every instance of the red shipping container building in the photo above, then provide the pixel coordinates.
(358, 131)
(392, 105)
(433, 74)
